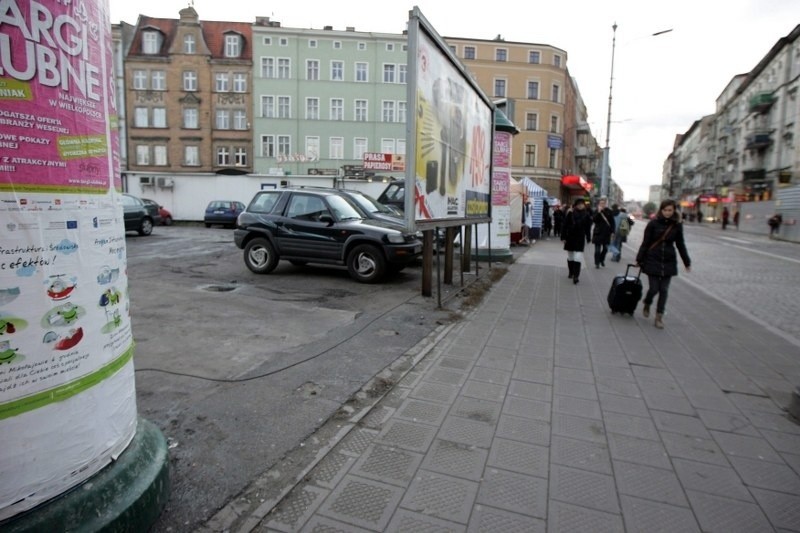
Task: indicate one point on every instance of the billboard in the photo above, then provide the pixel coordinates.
(449, 135)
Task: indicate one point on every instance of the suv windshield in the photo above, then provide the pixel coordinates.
(370, 204)
(342, 209)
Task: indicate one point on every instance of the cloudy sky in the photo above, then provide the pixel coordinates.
(661, 84)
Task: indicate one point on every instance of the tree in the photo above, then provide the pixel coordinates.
(649, 208)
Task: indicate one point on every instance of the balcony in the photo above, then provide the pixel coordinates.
(582, 151)
(761, 102)
(759, 140)
(755, 174)
(583, 127)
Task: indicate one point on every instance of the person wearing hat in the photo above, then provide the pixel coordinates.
(576, 232)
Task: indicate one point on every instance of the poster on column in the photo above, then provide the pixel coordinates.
(67, 395)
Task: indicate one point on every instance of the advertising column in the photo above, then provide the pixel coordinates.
(67, 396)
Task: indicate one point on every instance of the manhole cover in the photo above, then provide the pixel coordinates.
(219, 288)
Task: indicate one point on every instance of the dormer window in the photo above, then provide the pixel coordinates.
(151, 42)
(233, 45)
(189, 44)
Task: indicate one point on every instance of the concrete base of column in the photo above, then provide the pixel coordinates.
(127, 495)
(500, 254)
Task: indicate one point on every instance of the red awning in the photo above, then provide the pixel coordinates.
(576, 182)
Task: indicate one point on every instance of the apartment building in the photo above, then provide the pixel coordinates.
(323, 98)
(188, 96)
(543, 101)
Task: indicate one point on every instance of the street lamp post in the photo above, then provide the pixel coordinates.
(604, 170)
(606, 149)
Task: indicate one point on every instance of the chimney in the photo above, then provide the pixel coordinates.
(351, 28)
(328, 28)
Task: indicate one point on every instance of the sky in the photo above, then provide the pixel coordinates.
(661, 84)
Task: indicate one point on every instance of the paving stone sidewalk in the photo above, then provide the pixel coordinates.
(542, 411)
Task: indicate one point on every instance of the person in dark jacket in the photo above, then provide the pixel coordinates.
(558, 220)
(603, 220)
(657, 257)
(575, 233)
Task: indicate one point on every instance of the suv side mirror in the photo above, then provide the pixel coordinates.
(327, 218)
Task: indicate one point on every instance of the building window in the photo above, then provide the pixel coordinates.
(159, 117)
(361, 72)
(267, 67)
(284, 68)
(221, 85)
(312, 69)
(359, 148)
(160, 155)
(336, 147)
(499, 88)
(233, 46)
(142, 154)
(283, 41)
(553, 124)
(191, 156)
(189, 44)
(223, 156)
(453, 48)
(240, 83)
(190, 118)
(284, 107)
(267, 146)
(387, 146)
(267, 41)
(284, 146)
(390, 47)
(190, 80)
(312, 148)
(501, 54)
(140, 80)
(402, 114)
(151, 42)
(553, 158)
(337, 109)
(556, 93)
(360, 114)
(533, 90)
(557, 63)
(240, 157)
(401, 147)
(388, 73)
(267, 107)
(534, 57)
(531, 121)
(387, 114)
(337, 71)
(140, 117)
(312, 108)
(312, 43)
(530, 155)
(223, 119)
(402, 73)
(337, 45)
(239, 119)
(362, 46)
(469, 52)
(158, 80)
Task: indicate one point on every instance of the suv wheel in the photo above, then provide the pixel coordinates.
(366, 263)
(260, 256)
(147, 227)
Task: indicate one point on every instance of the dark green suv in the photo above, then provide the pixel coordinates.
(319, 225)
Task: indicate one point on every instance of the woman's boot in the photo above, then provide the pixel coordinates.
(659, 323)
(571, 269)
(646, 311)
(577, 272)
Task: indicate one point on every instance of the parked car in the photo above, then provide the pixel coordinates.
(374, 209)
(136, 214)
(161, 217)
(319, 225)
(394, 195)
(223, 212)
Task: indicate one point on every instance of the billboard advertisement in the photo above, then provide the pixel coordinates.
(67, 393)
(450, 135)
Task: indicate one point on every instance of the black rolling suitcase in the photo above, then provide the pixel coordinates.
(625, 293)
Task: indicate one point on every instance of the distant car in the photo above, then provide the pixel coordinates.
(161, 217)
(374, 209)
(319, 225)
(137, 216)
(394, 195)
(224, 212)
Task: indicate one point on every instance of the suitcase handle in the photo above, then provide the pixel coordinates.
(634, 266)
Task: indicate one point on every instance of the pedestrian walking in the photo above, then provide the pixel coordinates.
(657, 257)
(603, 221)
(736, 219)
(775, 222)
(725, 216)
(558, 220)
(547, 224)
(622, 226)
(576, 232)
(527, 221)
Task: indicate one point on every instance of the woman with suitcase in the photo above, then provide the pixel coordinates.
(657, 257)
(577, 231)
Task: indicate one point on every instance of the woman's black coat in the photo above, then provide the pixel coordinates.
(601, 234)
(661, 260)
(577, 230)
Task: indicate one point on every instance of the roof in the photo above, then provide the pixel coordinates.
(214, 33)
